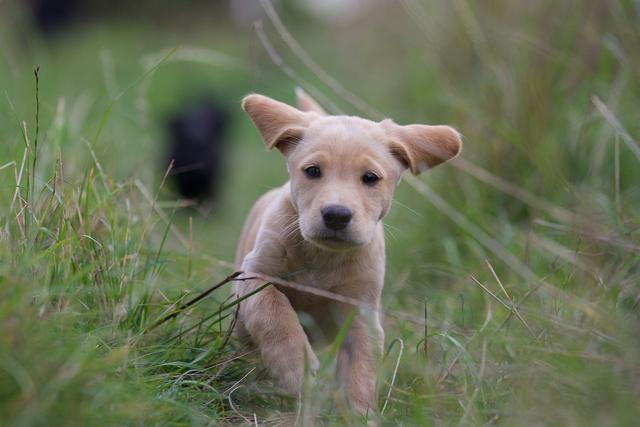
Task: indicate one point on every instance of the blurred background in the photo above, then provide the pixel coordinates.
(542, 208)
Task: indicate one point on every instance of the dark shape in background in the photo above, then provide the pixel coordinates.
(197, 147)
(51, 16)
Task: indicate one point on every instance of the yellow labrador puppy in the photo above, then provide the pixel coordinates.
(323, 229)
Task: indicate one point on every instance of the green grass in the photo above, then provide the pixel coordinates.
(94, 248)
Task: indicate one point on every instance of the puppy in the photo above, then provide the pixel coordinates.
(323, 229)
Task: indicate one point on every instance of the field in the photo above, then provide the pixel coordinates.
(512, 294)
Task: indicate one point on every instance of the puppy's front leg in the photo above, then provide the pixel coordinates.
(357, 363)
(274, 328)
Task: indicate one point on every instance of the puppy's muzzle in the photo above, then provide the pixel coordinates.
(336, 217)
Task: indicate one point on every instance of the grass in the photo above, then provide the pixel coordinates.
(522, 257)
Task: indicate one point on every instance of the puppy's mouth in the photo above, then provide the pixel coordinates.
(333, 240)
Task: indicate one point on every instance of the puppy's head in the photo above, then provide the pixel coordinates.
(343, 169)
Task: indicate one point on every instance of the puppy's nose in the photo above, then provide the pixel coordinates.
(336, 217)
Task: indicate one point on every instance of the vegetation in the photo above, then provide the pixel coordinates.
(513, 277)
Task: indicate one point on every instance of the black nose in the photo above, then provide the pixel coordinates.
(336, 217)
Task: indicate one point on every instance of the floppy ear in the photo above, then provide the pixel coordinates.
(421, 147)
(279, 124)
(307, 103)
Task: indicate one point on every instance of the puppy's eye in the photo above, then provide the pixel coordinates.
(313, 172)
(370, 178)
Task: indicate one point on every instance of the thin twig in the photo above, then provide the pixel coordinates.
(189, 303)
(308, 61)
(513, 307)
(221, 309)
(447, 371)
(36, 73)
(616, 125)
(395, 370)
(487, 290)
(339, 298)
(522, 301)
(426, 331)
(160, 212)
(231, 328)
(515, 191)
(507, 306)
(616, 173)
(290, 72)
(232, 406)
(233, 386)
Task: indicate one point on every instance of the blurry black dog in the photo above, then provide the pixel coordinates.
(196, 132)
(197, 148)
(53, 15)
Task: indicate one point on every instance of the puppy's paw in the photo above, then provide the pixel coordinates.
(285, 360)
(361, 396)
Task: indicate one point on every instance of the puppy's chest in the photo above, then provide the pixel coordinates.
(328, 281)
(301, 268)
(318, 278)
(342, 276)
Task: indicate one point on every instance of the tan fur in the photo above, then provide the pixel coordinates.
(285, 236)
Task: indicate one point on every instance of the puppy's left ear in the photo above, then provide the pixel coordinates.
(422, 147)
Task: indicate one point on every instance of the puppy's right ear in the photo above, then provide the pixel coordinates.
(279, 124)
